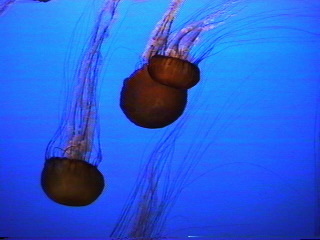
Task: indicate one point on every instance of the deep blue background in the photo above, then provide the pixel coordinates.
(256, 105)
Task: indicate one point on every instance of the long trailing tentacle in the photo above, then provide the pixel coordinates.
(181, 43)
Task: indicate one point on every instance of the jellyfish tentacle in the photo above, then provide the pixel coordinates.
(182, 42)
(159, 36)
(4, 4)
(84, 110)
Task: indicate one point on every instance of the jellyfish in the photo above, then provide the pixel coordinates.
(155, 95)
(70, 175)
(164, 175)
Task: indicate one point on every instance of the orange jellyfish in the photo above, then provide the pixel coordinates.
(70, 175)
(163, 177)
(155, 95)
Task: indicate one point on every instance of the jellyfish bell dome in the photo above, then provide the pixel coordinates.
(71, 182)
(173, 71)
(150, 104)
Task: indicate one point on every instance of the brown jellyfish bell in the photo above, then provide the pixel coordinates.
(150, 104)
(173, 72)
(71, 182)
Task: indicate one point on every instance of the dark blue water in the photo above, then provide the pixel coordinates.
(252, 123)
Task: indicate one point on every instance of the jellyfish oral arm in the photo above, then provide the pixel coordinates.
(159, 36)
(78, 147)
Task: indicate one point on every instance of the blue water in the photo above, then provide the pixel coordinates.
(253, 122)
